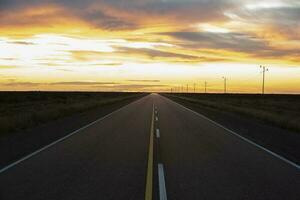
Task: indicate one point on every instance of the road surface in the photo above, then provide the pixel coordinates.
(152, 148)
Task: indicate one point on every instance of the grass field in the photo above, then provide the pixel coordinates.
(22, 110)
(278, 110)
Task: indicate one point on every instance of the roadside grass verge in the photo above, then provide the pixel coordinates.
(278, 110)
(23, 110)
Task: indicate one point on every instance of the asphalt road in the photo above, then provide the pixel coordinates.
(152, 149)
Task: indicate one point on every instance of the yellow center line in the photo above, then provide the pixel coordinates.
(149, 179)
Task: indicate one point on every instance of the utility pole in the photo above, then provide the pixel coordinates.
(187, 88)
(264, 70)
(194, 87)
(225, 80)
(205, 86)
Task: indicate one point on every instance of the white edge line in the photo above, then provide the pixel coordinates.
(161, 182)
(63, 138)
(157, 133)
(241, 137)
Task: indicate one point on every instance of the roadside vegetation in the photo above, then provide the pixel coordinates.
(23, 110)
(278, 110)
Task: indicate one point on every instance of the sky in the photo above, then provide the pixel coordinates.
(150, 45)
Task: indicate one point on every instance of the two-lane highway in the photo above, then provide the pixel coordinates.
(152, 149)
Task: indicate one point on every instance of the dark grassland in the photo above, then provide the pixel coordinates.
(23, 110)
(277, 110)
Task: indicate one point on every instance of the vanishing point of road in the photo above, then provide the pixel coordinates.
(152, 148)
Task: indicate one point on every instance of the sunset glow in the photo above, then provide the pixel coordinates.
(149, 45)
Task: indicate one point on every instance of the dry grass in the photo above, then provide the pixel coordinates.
(22, 110)
(278, 110)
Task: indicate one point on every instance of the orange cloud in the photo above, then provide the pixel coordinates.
(73, 37)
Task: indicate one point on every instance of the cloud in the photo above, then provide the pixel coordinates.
(21, 43)
(231, 41)
(65, 70)
(72, 83)
(166, 55)
(201, 10)
(99, 18)
(113, 14)
(136, 14)
(246, 43)
(156, 54)
(285, 21)
(7, 67)
(132, 87)
(124, 54)
(251, 27)
(83, 83)
(91, 85)
(106, 64)
(146, 81)
(32, 16)
(83, 55)
(23, 84)
(280, 17)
